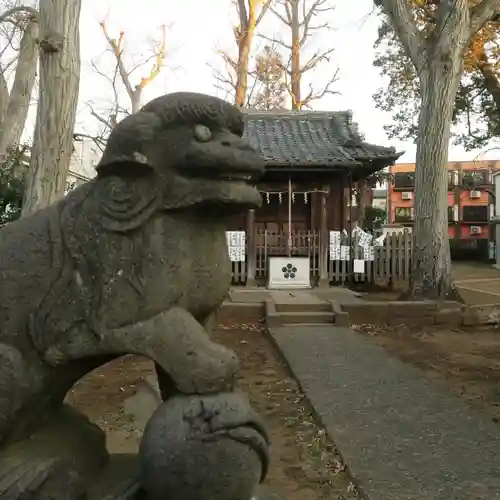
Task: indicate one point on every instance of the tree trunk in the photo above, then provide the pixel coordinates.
(431, 276)
(295, 62)
(135, 101)
(247, 27)
(12, 124)
(242, 68)
(57, 102)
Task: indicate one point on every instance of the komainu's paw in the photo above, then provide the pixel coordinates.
(39, 479)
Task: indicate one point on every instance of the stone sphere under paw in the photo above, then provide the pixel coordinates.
(203, 448)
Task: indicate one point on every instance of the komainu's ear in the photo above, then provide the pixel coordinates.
(128, 201)
(129, 145)
(129, 190)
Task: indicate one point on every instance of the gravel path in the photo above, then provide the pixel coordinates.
(403, 436)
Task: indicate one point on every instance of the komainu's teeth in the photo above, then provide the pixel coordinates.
(233, 178)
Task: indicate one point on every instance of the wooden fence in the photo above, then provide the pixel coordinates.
(391, 261)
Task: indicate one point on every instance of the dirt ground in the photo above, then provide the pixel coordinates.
(467, 360)
(102, 394)
(477, 282)
(304, 464)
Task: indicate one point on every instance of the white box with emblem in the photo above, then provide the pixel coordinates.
(289, 272)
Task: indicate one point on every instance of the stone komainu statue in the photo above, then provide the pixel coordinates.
(134, 261)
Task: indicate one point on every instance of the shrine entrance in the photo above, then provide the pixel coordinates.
(274, 216)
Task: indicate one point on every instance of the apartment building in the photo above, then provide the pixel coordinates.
(470, 199)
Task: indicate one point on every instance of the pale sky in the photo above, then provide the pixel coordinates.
(198, 27)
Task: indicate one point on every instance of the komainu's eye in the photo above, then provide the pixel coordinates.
(202, 133)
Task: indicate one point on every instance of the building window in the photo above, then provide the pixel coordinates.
(475, 213)
(452, 177)
(474, 178)
(403, 214)
(451, 214)
(404, 180)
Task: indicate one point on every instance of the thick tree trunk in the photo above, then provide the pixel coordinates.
(57, 102)
(431, 264)
(17, 106)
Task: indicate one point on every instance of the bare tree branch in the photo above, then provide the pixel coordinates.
(400, 14)
(226, 79)
(10, 35)
(7, 15)
(315, 95)
(308, 14)
(482, 13)
(99, 141)
(107, 123)
(109, 115)
(135, 91)
(315, 60)
(298, 16)
(285, 20)
(274, 40)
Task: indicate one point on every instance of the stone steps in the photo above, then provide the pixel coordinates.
(301, 308)
(314, 317)
(312, 307)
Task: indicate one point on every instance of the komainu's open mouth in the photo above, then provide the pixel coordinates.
(221, 178)
(231, 174)
(227, 176)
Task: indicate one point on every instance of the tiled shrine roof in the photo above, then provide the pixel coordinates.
(312, 139)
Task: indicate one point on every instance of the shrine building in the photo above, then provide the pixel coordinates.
(313, 160)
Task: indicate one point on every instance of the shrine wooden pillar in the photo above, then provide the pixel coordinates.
(323, 241)
(336, 205)
(347, 204)
(251, 248)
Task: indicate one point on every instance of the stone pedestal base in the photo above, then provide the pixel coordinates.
(194, 447)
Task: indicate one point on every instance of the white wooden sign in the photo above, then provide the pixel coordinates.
(334, 238)
(236, 238)
(335, 245)
(368, 253)
(359, 266)
(236, 241)
(345, 252)
(364, 238)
